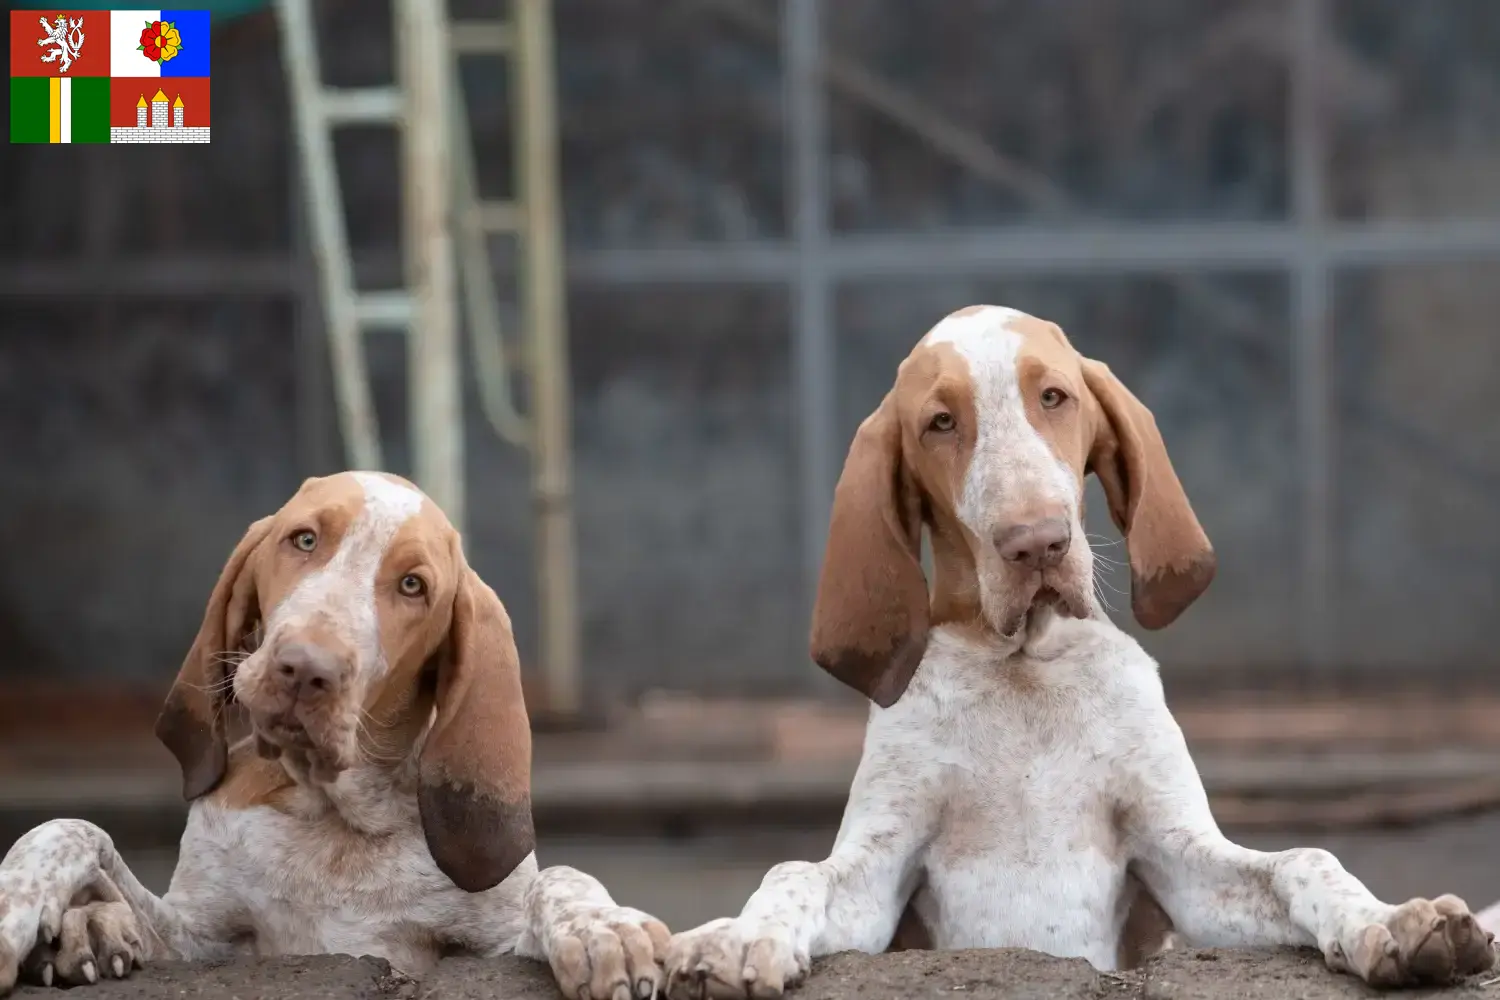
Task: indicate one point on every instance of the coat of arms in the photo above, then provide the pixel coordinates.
(65, 37)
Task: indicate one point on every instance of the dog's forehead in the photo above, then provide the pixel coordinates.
(985, 343)
(375, 500)
(389, 498)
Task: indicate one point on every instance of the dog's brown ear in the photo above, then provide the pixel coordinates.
(1171, 560)
(475, 772)
(191, 724)
(869, 625)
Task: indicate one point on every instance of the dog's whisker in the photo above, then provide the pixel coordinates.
(1104, 581)
(1105, 559)
(1101, 597)
(372, 747)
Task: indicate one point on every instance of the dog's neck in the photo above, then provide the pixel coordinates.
(376, 795)
(956, 599)
(374, 798)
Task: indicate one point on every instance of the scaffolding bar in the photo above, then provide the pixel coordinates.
(432, 345)
(481, 38)
(544, 306)
(390, 310)
(813, 375)
(1124, 249)
(320, 192)
(367, 106)
(1312, 386)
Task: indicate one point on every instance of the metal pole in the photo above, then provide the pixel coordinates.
(1312, 374)
(546, 311)
(322, 203)
(433, 345)
(310, 389)
(812, 313)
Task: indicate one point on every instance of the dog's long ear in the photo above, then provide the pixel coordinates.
(1171, 560)
(475, 771)
(870, 623)
(191, 723)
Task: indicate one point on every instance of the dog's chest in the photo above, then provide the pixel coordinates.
(312, 886)
(1029, 851)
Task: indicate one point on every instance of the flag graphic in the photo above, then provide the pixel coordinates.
(158, 43)
(126, 76)
(59, 42)
(59, 109)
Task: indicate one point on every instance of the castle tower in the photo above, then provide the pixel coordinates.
(159, 110)
(177, 112)
(140, 112)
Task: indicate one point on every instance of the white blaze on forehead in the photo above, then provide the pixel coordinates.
(342, 590)
(975, 328)
(388, 498)
(1012, 467)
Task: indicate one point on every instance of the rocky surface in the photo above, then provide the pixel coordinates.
(973, 975)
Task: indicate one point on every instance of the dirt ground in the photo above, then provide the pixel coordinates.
(977, 975)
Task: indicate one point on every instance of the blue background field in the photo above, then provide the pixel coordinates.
(194, 26)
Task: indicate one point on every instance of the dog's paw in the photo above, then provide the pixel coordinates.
(734, 957)
(97, 941)
(608, 953)
(1422, 941)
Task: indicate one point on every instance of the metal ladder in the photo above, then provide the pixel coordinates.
(441, 201)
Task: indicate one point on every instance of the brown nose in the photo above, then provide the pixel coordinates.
(306, 669)
(1040, 545)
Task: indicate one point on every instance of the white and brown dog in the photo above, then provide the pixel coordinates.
(1023, 783)
(380, 802)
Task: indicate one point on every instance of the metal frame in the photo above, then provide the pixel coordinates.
(545, 307)
(812, 290)
(1309, 248)
(1312, 384)
(441, 203)
(1111, 249)
(432, 345)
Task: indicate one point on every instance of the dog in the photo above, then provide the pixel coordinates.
(379, 803)
(1023, 783)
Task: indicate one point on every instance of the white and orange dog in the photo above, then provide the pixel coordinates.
(1023, 783)
(380, 802)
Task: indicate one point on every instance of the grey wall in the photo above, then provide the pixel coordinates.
(138, 436)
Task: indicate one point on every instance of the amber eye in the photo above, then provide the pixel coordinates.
(411, 585)
(941, 422)
(1053, 398)
(305, 540)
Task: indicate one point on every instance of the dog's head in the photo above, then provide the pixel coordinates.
(349, 621)
(986, 437)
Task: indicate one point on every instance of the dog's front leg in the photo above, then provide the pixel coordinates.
(1218, 893)
(853, 900)
(596, 948)
(71, 911)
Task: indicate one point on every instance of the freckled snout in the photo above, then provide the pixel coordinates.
(1037, 546)
(306, 671)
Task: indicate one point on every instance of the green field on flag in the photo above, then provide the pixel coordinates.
(91, 109)
(29, 110)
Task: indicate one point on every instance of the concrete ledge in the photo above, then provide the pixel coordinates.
(974, 975)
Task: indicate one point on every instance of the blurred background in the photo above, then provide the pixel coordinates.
(686, 244)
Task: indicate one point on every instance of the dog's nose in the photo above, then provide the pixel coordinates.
(1040, 545)
(308, 669)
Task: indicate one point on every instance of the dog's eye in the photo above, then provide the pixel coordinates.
(305, 540)
(941, 422)
(1053, 398)
(411, 585)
